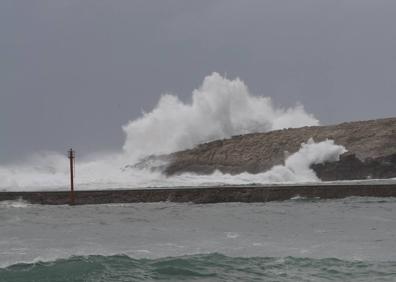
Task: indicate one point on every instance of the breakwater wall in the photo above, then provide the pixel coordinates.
(216, 194)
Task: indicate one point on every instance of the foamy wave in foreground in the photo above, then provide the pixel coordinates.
(297, 227)
(220, 108)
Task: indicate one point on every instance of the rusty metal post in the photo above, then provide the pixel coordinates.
(71, 158)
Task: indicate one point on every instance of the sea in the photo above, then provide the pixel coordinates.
(351, 239)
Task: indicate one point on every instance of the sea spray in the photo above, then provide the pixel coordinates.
(220, 108)
(102, 175)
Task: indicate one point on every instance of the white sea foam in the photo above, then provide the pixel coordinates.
(220, 108)
(14, 204)
(297, 167)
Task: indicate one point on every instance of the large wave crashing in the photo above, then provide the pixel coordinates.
(220, 108)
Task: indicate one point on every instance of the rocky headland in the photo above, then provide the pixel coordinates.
(371, 152)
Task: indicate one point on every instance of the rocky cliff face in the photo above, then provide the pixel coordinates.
(371, 152)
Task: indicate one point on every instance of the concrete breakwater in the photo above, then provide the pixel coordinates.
(206, 194)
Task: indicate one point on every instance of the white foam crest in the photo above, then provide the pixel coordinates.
(220, 108)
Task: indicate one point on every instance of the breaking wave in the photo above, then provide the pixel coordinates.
(297, 167)
(219, 109)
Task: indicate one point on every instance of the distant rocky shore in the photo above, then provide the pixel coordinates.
(371, 152)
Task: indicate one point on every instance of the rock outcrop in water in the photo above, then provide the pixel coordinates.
(371, 152)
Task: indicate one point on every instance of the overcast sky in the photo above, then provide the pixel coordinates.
(72, 71)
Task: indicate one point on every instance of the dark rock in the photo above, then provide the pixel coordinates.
(349, 167)
(152, 162)
(371, 152)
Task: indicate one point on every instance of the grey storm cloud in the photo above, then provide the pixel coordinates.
(73, 72)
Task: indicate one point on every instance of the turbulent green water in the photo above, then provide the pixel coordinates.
(210, 267)
(351, 239)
